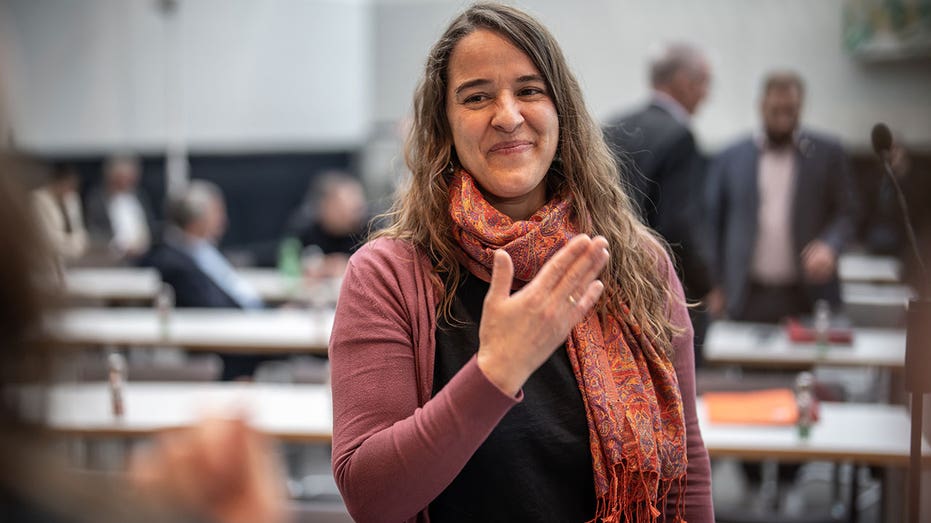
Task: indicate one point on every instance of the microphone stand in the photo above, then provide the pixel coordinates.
(917, 357)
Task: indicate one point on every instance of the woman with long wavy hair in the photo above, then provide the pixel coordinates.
(491, 361)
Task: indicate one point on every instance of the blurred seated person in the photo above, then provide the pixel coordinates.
(119, 215)
(220, 471)
(58, 208)
(188, 259)
(331, 223)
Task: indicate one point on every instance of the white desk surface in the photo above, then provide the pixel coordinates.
(869, 434)
(299, 413)
(868, 268)
(142, 284)
(226, 330)
(275, 288)
(765, 345)
(113, 283)
(877, 294)
(876, 304)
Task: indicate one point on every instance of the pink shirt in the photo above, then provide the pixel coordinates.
(394, 447)
(774, 259)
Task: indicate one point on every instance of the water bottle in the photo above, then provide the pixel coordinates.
(116, 374)
(805, 401)
(822, 326)
(164, 305)
(289, 263)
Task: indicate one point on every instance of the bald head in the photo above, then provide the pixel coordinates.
(681, 71)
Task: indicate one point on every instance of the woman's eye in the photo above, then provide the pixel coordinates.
(530, 91)
(475, 98)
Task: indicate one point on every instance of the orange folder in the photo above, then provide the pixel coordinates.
(761, 407)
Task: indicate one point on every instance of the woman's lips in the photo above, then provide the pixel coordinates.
(511, 147)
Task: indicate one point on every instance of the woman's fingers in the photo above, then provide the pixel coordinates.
(588, 299)
(583, 272)
(556, 268)
(575, 268)
(519, 331)
(502, 273)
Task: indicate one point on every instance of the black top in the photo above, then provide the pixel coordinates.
(536, 464)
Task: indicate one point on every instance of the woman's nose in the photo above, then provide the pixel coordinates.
(507, 117)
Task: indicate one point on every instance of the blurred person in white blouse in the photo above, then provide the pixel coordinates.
(119, 215)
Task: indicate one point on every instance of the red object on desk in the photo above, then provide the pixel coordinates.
(801, 333)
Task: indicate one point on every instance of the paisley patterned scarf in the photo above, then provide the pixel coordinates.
(631, 394)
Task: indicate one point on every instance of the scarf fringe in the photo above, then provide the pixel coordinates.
(622, 506)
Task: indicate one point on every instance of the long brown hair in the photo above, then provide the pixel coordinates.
(583, 166)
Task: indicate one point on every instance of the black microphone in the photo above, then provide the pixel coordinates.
(882, 140)
(881, 137)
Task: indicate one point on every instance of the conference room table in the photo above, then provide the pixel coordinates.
(876, 304)
(121, 285)
(294, 331)
(868, 268)
(768, 345)
(866, 433)
(862, 434)
(292, 413)
(112, 284)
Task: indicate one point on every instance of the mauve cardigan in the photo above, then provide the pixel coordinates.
(394, 448)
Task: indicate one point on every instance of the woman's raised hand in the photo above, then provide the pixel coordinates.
(520, 331)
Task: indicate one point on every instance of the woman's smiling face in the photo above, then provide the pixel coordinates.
(503, 121)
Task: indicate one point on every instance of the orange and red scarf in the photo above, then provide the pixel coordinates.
(631, 394)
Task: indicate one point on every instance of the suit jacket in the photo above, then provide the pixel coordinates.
(192, 286)
(822, 208)
(663, 172)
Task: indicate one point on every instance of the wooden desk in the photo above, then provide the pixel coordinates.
(864, 433)
(765, 345)
(297, 413)
(867, 268)
(219, 330)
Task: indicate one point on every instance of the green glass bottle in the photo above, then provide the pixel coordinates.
(289, 263)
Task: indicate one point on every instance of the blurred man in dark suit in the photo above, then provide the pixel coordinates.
(188, 259)
(664, 168)
(780, 209)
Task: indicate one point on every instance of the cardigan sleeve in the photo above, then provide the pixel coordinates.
(697, 496)
(391, 458)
